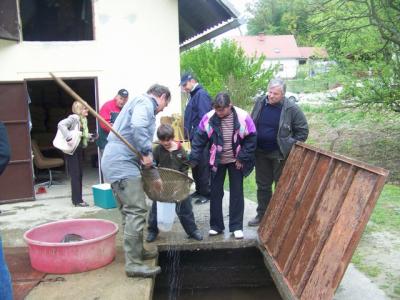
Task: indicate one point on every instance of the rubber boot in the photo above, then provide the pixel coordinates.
(147, 254)
(134, 266)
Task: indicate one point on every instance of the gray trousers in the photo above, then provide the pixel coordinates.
(269, 167)
(132, 201)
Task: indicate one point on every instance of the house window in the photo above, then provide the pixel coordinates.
(56, 20)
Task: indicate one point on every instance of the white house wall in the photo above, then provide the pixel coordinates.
(289, 67)
(136, 44)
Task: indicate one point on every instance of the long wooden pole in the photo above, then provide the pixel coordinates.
(74, 95)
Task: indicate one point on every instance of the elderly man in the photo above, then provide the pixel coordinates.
(198, 105)
(280, 123)
(109, 111)
(136, 123)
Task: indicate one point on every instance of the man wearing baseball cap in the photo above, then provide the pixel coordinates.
(199, 103)
(109, 111)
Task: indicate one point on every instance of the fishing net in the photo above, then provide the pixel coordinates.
(166, 185)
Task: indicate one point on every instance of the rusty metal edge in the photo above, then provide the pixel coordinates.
(373, 169)
(280, 282)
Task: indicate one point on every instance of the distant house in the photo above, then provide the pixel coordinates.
(315, 53)
(98, 47)
(281, 50)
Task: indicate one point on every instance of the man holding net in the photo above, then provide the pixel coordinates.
(136, 123)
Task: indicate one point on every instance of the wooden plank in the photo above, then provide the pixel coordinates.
(350, 161)
(360, 229)
(303, 215)
(353, 208)
(292, 202)
(321, 221)
(283, 187)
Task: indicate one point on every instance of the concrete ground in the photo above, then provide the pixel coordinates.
(110, 281)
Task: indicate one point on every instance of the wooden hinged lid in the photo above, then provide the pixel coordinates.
(315, 220)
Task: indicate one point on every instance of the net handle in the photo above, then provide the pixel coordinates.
(76, 97)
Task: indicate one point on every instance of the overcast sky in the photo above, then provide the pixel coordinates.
(240, 5)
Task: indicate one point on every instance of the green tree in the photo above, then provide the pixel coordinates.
(364, 37)
(280, 17)
(227, 68)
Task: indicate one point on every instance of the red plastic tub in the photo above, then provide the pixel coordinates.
(49, 255)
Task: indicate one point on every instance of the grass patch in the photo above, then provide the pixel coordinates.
(250, 187)
(311, 85)
(386, 215)
(371, 271)
(396, 289)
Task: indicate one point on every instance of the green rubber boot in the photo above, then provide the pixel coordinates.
(134, 255)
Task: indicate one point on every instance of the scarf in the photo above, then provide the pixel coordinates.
(85, 132)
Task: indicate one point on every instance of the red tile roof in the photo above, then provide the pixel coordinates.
(272, 46)
(307, 52)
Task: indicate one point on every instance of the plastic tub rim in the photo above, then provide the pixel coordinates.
(50, 244)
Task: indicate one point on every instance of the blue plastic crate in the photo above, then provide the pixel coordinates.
(103, 196)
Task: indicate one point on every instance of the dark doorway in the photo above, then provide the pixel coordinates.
(50, 104)
(56, 20)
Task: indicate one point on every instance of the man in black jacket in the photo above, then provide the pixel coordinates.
(199, 103)
(5, 279)
(280, 123)
(4, 148)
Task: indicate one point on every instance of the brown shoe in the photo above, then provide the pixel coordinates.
(255, 221)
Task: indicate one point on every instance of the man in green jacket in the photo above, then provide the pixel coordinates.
(280, 124)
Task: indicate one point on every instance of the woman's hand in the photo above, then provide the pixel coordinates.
(93, 137)
(70, 142)
(238, 165)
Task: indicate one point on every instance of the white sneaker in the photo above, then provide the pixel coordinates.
(238, 234)
(213, 232)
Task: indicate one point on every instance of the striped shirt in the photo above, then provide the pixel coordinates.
(227, 133)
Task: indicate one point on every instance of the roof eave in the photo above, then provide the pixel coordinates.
(209, 34)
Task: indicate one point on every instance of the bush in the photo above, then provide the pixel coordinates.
(227, 68)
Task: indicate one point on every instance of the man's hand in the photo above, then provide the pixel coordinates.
(147, 161)
(158, 185)
(192, 163)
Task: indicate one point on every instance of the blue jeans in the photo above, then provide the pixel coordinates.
(6, 292)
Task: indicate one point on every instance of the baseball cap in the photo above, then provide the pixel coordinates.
(123, 93)
(185, 78)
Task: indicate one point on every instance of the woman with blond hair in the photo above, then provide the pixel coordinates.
(76, 121)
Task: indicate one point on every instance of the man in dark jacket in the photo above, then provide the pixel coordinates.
(280, 123)
(4, 148)
(198, 105)
(6, 292)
